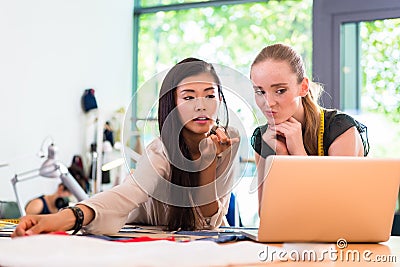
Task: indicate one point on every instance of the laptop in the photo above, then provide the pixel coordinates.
(324, 199)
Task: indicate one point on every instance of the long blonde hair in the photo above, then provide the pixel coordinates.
(281, 52)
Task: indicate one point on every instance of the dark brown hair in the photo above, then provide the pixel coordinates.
(180, 217)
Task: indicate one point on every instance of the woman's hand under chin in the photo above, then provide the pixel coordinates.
(276, 142)
(288, 134)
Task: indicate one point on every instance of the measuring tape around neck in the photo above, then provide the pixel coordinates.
(321, 133)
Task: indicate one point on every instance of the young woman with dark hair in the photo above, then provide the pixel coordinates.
(184, 178)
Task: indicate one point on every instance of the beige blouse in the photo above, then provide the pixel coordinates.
(129, 202)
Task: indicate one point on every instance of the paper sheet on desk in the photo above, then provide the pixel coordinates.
(84, 251)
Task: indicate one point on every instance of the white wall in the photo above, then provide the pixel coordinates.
(50, 51)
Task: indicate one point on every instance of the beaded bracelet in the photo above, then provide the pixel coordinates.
(79, 216)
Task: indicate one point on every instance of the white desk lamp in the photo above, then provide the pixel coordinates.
(50, 168)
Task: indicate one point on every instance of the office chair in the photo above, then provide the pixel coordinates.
(233, 218)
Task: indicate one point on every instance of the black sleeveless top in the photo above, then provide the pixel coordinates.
(45, 209)
(335, 122)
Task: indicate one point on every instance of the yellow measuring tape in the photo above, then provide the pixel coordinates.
(14, 221)
(321, 133)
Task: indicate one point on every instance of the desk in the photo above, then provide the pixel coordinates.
(58, 250)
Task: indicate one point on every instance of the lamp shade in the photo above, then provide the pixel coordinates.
(49, 167)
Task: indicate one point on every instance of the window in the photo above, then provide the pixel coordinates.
(226, 34)
(370, 85)
(356, 55)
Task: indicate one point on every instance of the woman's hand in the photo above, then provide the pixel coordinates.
(291, 132)
(38, 224)
(275, 141)
(221, 140)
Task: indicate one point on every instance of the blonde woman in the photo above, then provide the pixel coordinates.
(296, 124)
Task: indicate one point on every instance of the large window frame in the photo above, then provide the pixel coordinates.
(139, 10)
(143, 69)
(328, 17)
